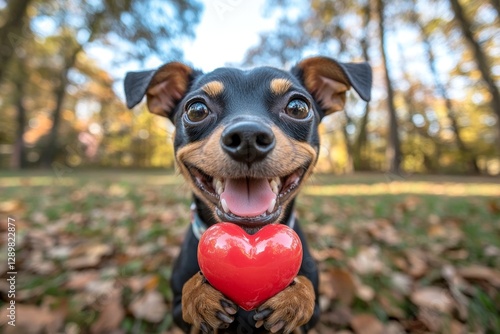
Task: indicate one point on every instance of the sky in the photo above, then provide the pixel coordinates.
(228, 28)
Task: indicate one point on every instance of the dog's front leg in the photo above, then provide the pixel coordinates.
(289, 309)
(205, 307)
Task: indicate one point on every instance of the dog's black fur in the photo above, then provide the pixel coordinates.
(248, 126)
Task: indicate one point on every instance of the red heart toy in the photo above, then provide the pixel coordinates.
(249, 269)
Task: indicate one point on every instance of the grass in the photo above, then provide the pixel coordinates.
(78, 231)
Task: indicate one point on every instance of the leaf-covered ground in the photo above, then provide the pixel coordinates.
(397, 254)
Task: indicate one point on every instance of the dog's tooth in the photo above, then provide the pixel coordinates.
(214, 183)
(277, 180)
(271, 205)
(274, 186)
(224, 205)
(219, 187)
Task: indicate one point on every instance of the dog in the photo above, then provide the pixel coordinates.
(245, 141)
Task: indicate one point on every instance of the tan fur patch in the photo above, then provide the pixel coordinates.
(325, 80)
(213, 88)
(167, 87)
(207, 155)
(201, 302)
(294, 305)
(280, 86)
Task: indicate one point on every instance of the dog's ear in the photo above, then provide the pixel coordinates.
(163, 87)
(328, 80)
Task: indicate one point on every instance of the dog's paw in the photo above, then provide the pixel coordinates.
(289, 309)
(204, 307)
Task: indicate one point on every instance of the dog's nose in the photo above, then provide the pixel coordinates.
(248, 141)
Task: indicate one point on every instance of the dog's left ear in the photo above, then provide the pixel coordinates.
(164, 87)
(328, 81)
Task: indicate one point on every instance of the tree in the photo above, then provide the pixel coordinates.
(124, 19)
(360, 160)
(393, 151)
(441, 90)
(10, 31)
(481, 60)
(19, 156)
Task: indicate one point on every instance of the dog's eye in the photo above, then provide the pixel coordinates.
(297, 109)
(197, 112)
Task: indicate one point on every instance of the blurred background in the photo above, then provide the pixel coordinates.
(402, 214)
(436, 69)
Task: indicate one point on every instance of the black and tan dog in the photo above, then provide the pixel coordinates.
(246, 141)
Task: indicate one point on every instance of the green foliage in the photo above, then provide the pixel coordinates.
(71, 108)
(430, 141)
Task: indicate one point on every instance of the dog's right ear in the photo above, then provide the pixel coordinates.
(163, 87)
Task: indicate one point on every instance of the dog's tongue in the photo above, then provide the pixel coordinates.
(248, 197)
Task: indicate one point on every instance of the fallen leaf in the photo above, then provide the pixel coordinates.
(78, 280)
(417, 264)
(448, 232)
(150, 307)
(366, 324)
(491, 250)
(436, 231)
(456, 327)
(433, 319)
(364, 292)
(99, 289)
(456, 285)
(402, 283)
(433, 298)
(479, 272)
(383, 230)
(33, 319)
(111, 315)
(343, 285)
(11, 206)
(394, 327)
(326, 286)
(38, 264)
(93, 250)
(82, 262)
(494, 207)
(340, 316)
(88, 255)
(39, 217)
(367, 261)
(327, 253)
(391, 305)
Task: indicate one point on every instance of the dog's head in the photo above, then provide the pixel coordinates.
(246, 140)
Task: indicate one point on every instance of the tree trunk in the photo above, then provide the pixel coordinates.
(349, 167)
(481, 60)
(467, 154)
(19, 157)
(360, 161)
(50, 149)
(10, 32)
(393, 151)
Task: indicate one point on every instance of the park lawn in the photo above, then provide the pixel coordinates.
(94, 250)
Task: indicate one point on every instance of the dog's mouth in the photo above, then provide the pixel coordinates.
(250, 202)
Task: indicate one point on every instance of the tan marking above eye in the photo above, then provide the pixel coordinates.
(213, 88)
(280, 86)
